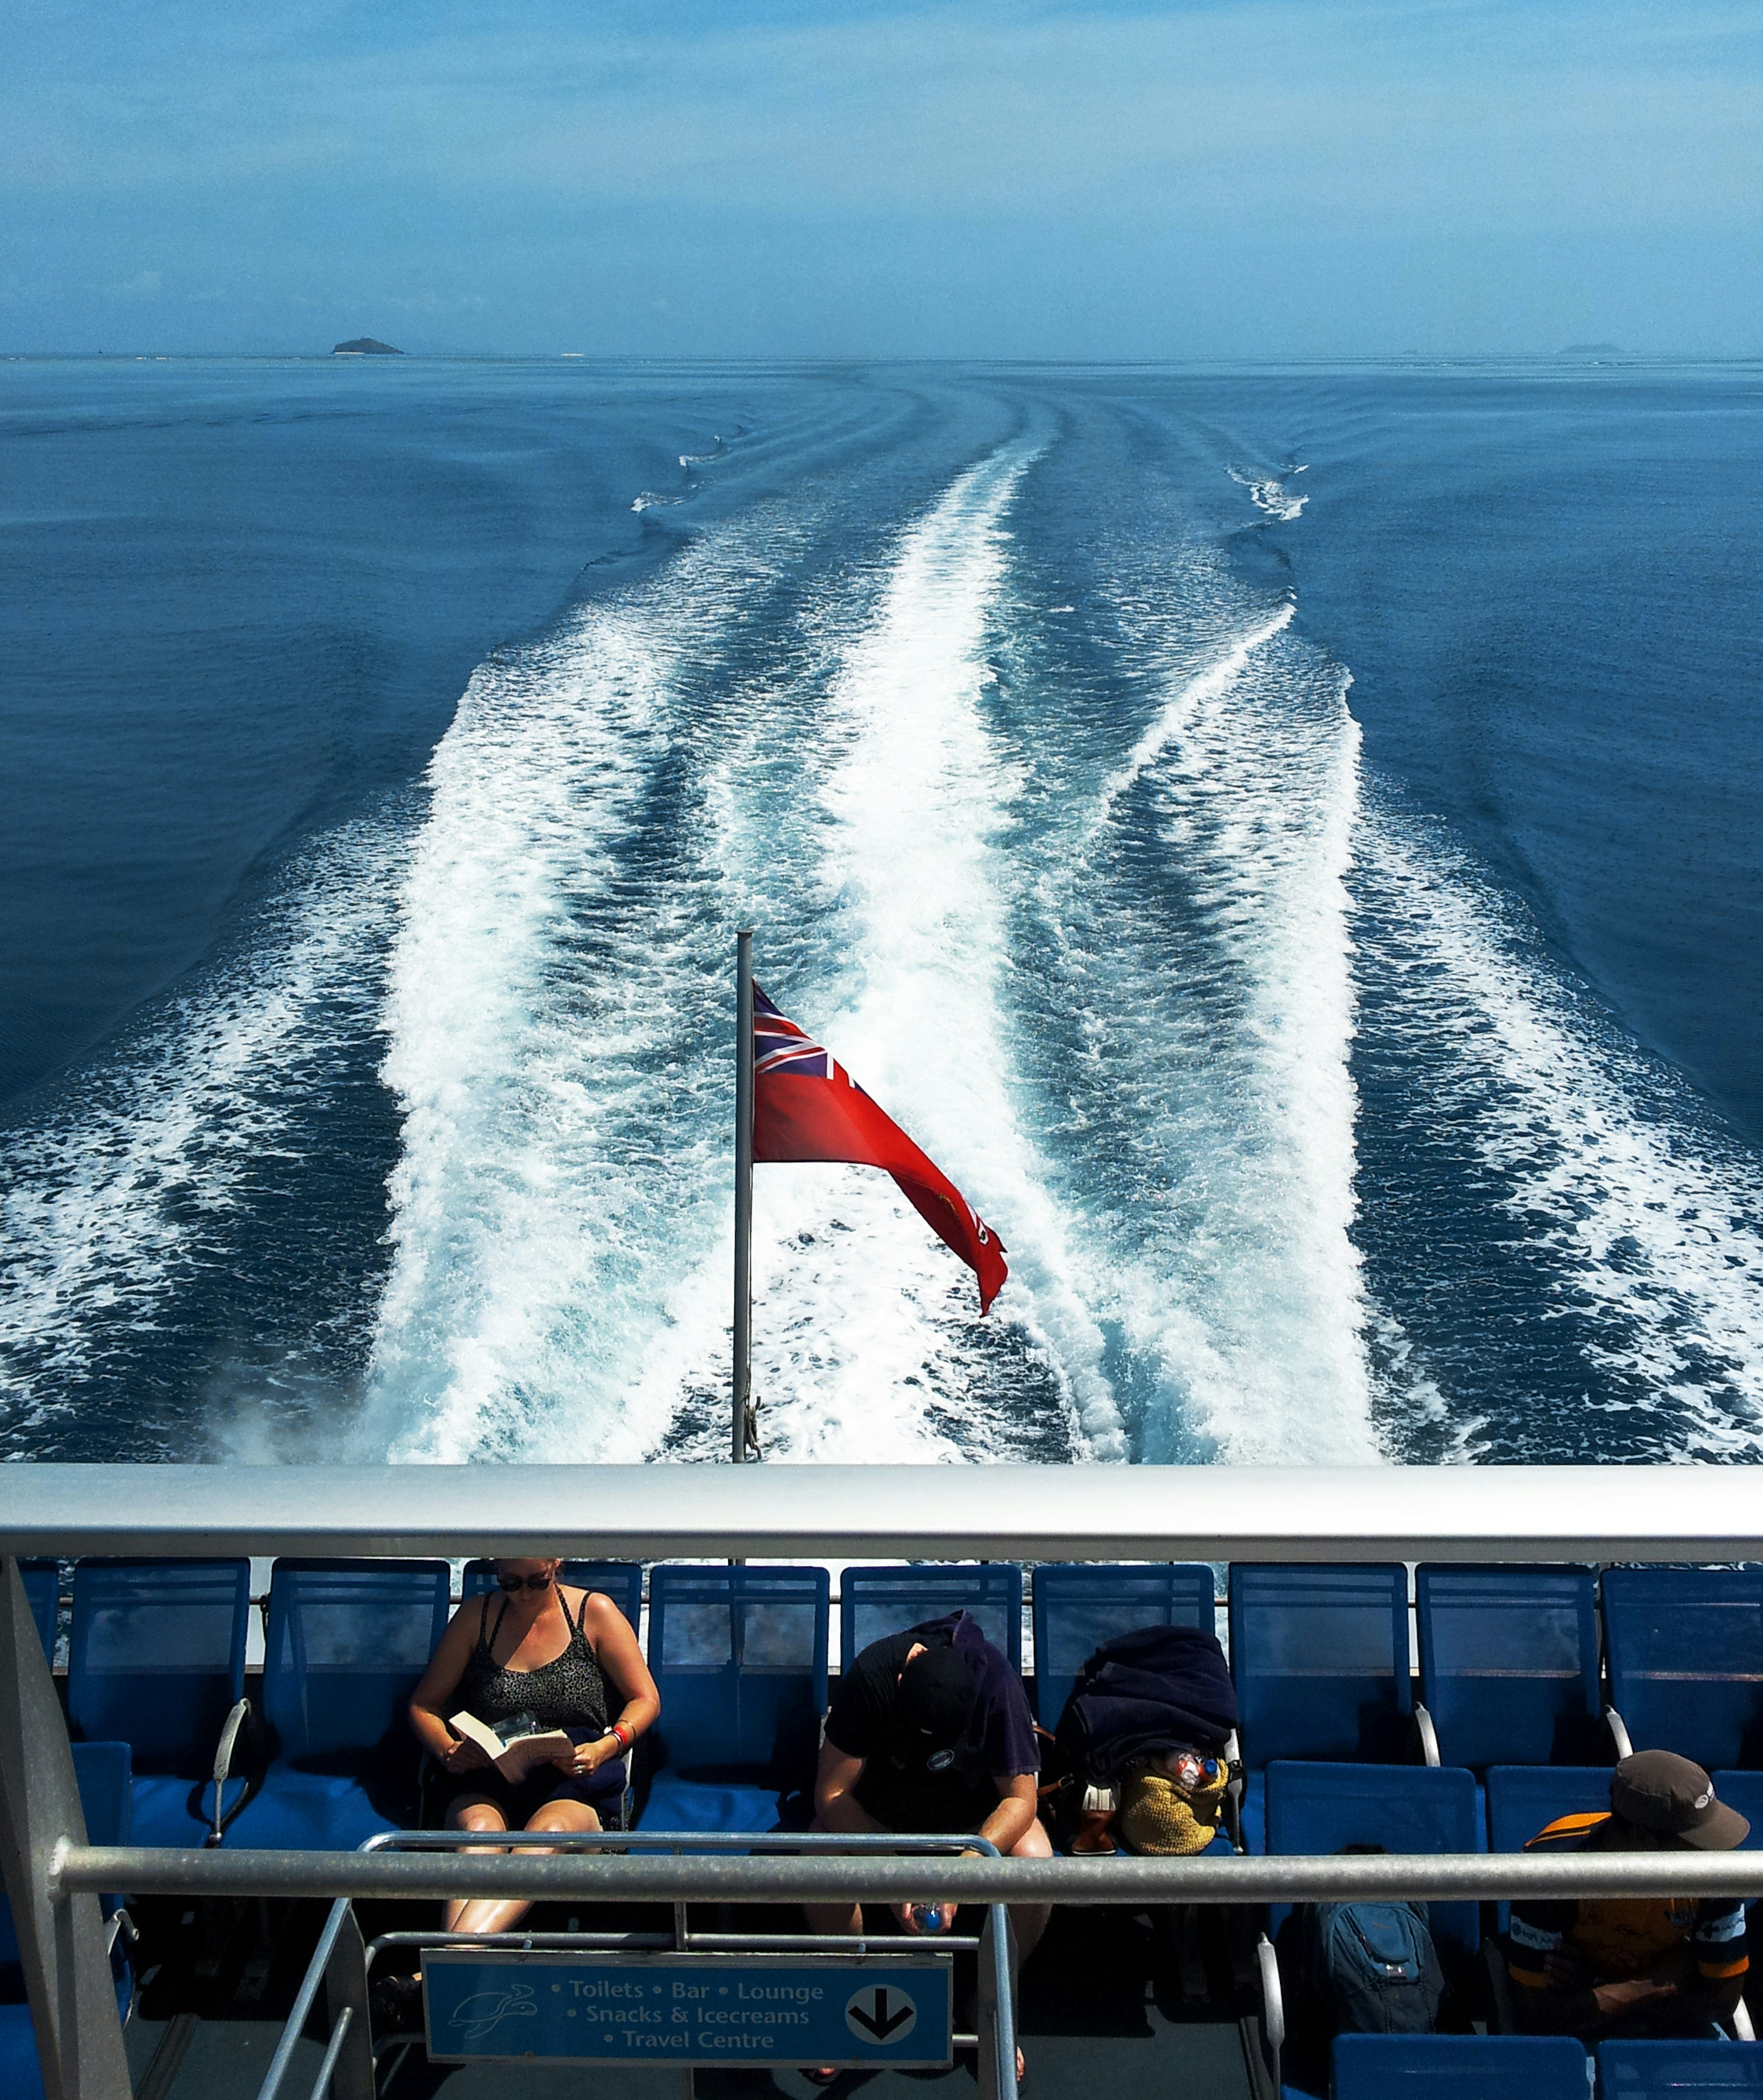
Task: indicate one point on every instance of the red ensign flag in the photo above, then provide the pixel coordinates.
(805, 1106)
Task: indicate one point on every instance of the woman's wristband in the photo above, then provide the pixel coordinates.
(626, 1736)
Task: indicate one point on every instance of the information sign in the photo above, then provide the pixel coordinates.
(584, 2008)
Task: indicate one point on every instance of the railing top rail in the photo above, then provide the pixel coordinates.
(1707, 1513)
(581, 1876)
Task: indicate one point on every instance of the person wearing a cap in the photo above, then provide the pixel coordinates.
(930, 1731)
(1661, 1966)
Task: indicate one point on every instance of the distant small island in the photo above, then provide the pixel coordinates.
(365, 346)
(1591, 349)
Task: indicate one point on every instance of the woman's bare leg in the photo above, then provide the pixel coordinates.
(501, 1914)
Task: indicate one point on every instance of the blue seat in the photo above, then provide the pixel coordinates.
(1743, 1790)
(1678, 2070)
(1685, 1650)
(1404, 1808)
(739, 1656)
(1525, 1799)
(101, 1773)
(21, 2076)
(42, 1590)
(622, 1580)
(1459, 2067)
(1320, 1656)
(875, 1602)
(347, 1642)
(156, 1658)
(1078, 1604)
(1509, 1664)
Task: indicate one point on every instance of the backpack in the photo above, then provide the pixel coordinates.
(1372, 1968)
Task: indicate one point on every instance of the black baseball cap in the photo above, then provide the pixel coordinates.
(938, 1692)
(1658, 1790)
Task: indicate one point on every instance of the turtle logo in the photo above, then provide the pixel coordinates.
(483, 2012)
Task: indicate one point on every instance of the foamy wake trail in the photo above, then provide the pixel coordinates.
(564, 1154)
(1206, 687)
(867, 1345)
(123, 1199)
(1202, 937)
(1602, 1160)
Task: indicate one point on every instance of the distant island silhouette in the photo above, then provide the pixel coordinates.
(1591, 349)
(365, 346)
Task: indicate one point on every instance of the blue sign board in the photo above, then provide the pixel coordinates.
(875, 2010)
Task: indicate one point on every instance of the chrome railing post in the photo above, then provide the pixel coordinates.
(62, 1942)
(997, 2007)
(346, 1998)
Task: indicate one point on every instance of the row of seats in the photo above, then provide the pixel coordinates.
(1541, 2067)
(1508, 1660)
(1319, 1808)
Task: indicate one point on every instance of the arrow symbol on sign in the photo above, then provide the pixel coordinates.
(881, 2023)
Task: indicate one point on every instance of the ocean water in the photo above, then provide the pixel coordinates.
(1286, 841)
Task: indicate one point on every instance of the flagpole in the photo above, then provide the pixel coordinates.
(743, 1198)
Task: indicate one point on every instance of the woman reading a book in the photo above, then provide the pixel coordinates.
(547, 1690)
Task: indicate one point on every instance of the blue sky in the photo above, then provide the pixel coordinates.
(1257, 178)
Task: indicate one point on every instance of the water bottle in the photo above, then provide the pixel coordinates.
(932, 1917)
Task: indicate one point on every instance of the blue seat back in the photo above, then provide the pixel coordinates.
(155, 1657)
(347, 1641)
(43, 1589)
(875, 1602)
(1459, 2067)
(101, 1773)
(1509, 1663)
(1404, 1808)
(1685, 1648)
(1523, 1800)
(622, 1580)
(1078, 1604)
(739, 1657)
(1743, 1790)
(1678, 2070)
(1320, 1656)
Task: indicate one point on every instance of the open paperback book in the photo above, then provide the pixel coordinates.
(518, 1746)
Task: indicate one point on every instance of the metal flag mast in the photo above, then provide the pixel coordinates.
(744, 1433)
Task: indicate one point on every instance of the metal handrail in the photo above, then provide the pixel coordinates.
(634, 1872)
(1216, 1513)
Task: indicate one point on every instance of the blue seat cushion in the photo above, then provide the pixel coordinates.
(166, 1810)
(21, 2077)
(305, 1812)
(675, 1803)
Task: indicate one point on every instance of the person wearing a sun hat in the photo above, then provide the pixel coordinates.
(1660, 1965)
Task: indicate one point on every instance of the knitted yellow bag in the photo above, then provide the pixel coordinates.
(1159, 1815)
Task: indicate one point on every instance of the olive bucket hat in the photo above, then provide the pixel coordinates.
(1657, 1790)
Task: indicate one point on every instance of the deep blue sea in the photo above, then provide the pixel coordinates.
(1286, 840)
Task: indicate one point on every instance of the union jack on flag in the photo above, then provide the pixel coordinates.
(780, 1045)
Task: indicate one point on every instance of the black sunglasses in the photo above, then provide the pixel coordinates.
(514, 1584)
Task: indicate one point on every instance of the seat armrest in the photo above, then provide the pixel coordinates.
(1619, 1734)
(223, 1750)
(1428, 1735)
(1233, 1795)
(1273, 2005)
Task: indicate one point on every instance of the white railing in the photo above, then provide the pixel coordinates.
(1665, 1513)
